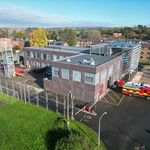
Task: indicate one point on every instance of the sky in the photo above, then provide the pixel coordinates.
(74, 13)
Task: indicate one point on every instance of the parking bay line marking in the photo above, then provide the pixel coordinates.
(112, 99)
(115, 94)
(121, 100)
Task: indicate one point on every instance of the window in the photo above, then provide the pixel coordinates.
(38, 64)
(55, 72)
(65, 74)
(49, 57)
(141, 57)
(45, 56)
(77, 76)
(103, 75)
(27, 62)
(34, 54)
(43, 64)
(141, 52)
(27, 54)
(110, 70)
(54, 57)
(61, 57)
(38, 55)
(89, 78)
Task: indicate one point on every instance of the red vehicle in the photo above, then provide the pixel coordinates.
(136, 89)
(19, 71)
(120, 83)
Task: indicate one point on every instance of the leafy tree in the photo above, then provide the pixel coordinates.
(90, 34)
(4, 33)
(52, 35)
(94, 34)
(20, 35)
(69, 36)
(38, 38)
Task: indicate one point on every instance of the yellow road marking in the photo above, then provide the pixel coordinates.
(121, 100)
(106, 99)
(109, 103)
(112, 99)
(115, 94)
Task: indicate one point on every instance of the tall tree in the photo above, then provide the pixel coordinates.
(38, 38)
(69, 36)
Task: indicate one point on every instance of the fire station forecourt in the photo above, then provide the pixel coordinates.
(25, 127)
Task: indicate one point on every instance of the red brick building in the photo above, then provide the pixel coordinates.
(5, 41)
(87, 76)
(145, 52)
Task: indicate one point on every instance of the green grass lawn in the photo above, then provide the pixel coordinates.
(25, 127)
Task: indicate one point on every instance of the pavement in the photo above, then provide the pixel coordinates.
(143, 76)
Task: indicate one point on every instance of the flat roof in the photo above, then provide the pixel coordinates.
(89, 60)
(124, 44)
(68, 49)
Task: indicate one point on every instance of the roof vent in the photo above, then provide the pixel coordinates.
(92, 62)
(68, 60)
(86, 61)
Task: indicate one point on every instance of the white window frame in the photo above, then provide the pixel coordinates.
(54, 73)
(65, 74)
(88, 76)
(54, 57)
(77, 76)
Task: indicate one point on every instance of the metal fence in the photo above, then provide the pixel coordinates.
(45, 99)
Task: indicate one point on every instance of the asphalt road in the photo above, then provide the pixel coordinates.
(125, 127)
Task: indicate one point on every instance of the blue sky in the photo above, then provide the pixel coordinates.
(61, 13)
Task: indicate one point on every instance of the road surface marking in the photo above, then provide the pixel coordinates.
(115, 94)
(112, 99)
(121, 100)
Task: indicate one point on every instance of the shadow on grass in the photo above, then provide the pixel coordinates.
(54, 135)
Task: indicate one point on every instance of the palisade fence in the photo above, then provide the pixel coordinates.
(38, 97)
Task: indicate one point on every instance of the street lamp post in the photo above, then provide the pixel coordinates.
(99, 128)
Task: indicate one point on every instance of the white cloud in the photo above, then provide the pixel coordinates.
(21, 16)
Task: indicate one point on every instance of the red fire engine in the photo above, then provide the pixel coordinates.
(136, 89)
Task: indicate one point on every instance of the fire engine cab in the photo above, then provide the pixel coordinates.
(136, 89)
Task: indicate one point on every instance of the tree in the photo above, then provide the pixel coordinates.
(69, 36)
(52, 35)
(20, 35)
(38, 38)
(93, 34)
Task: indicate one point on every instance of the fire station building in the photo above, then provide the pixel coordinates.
(87, 72)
